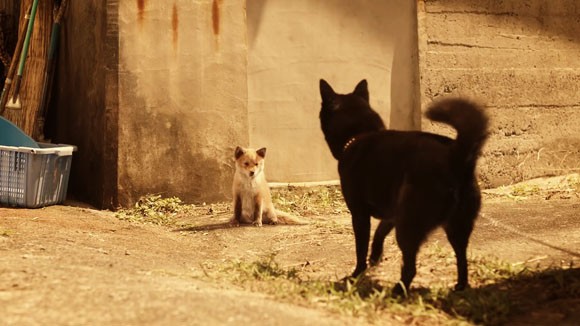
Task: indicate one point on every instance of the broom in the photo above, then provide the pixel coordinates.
(13, 64)
(15, 102)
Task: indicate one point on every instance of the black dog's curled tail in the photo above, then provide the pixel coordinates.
(471, 123)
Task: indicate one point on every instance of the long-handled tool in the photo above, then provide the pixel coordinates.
(14, 103)
(13, 64)
(49, 70)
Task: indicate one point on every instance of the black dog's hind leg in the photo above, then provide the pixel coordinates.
(459, 238)
(458, 231)
(361, 224)
(383, 229)
(459, 227)
(409, 240)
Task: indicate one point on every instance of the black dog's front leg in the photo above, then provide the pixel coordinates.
(361, 224)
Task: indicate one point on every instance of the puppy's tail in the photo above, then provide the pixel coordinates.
(471, 123)
(287, 219)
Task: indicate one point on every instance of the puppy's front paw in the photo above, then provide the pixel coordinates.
(258, 224)
(234, 222)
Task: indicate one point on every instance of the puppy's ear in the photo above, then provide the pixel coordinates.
(261, 152)
(362, 90)
(239, 152)
(326, 92)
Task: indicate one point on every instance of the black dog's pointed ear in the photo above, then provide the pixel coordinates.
(239, 152)
(261, 152)
(362, 90)
(326, 92)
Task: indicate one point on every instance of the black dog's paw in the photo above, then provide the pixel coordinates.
(348, 279)
(345, 283)
(399, 290)
(358, 271)
(460, 287)
(354, 277)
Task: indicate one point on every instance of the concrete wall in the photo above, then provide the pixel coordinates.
(198, 79)
(292, 44)
(521, 58)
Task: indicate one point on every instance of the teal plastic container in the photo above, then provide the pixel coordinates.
(11, 135)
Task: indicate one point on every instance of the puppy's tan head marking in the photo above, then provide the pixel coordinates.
(248, 161)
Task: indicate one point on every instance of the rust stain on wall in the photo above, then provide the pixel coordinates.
(141, 10)
(215, 16)
(175, 26)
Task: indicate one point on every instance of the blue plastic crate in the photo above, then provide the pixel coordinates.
(34, 177)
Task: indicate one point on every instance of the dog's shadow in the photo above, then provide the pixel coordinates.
(205, 227)
(216, 226)
(550, 296)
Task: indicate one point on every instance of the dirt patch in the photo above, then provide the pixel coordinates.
(72, 265)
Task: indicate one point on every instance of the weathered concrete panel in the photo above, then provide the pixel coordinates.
(182, 97)
(295, 43)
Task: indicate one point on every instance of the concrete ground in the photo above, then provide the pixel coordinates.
(69, 265)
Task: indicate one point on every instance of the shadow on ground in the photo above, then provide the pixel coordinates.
(205, 227)
(550, 296)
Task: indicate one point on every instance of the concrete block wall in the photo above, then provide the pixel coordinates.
(522, 60)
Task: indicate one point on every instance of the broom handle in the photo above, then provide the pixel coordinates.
(13, 64)
(24, 53)
(27, 39)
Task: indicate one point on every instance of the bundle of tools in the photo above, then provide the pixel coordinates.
(30, 118)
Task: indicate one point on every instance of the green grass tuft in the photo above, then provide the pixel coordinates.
(524, 190)
(304, 201)
(154, 209)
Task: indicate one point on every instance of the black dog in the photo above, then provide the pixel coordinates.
(412, 181)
